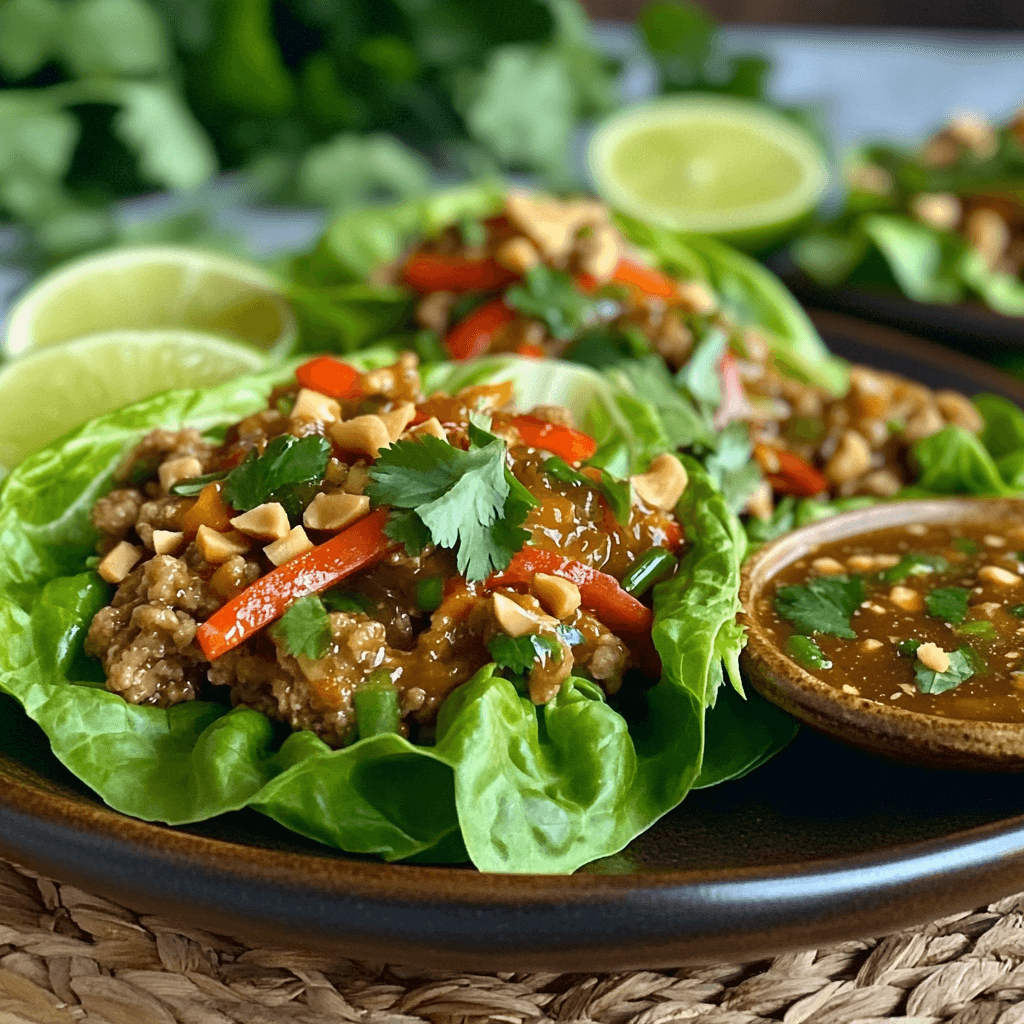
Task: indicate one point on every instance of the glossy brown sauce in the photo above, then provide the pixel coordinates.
(896, 611)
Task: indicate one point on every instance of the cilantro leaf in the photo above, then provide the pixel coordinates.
(517, 654)
(407, 529)
(467, 501)
(949, 603)
(552, 296)
(304, 628)
(961, 668)
(915, 564)
(822, 605)
(413, 473)
(289, 471)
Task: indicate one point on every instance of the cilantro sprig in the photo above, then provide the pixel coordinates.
(822, 605)
(466, 501)
(289, 471)
(553, 297)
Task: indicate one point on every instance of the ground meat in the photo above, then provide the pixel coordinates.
(146, 637)
(317, 695)
(159, 514)
(114, 515)
(160, 445)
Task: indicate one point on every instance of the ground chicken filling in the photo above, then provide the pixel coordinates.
(555, 278)
(183, 558)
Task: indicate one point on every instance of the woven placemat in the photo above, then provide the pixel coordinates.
(67, 956)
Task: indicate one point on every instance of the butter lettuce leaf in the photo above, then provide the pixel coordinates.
(512, 786)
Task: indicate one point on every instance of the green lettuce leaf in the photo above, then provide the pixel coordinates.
(514, 787)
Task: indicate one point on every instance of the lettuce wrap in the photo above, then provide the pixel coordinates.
(511, 786)
(341, 311)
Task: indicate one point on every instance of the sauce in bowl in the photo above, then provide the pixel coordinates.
(937, 620)
(899, 629)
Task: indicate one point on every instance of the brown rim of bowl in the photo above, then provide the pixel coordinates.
(910, 736)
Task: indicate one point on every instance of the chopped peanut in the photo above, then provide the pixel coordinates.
(870, 645)
(366, 435)
(175, 470)
(993, 541)
(335, 511)
(516, 620)
(999, 576)
(517, 254)
(871, 563)
(934, 657)
(398, 419)
(559, 596)
(167, 542)
(119, 561)
(907, 599)
(432, 427)
(268, 521)
(218, 547)
(663, 484)
(852, 690)
(851, 459)
(293, 544)
(696, 297)
(828, 566)
(311, 405)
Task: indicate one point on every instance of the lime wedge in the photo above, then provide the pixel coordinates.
(709, 164)
(141, 288)
(45, 394)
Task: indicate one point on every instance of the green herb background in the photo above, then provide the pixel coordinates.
(306, 101)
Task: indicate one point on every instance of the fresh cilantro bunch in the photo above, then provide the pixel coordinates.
(326, 104)
(466, 501)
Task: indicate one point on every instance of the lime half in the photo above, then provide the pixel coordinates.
(142, 288)
(47, 393)
(708, 164)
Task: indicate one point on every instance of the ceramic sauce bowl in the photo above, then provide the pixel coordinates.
(961, 743)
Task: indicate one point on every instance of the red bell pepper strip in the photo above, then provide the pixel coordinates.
(635, 275)
(599, 592)
(529, 350)
(793, 476)
(330, 377)
(356, 547)
(566, 442)
(473, 336)
(439, 272)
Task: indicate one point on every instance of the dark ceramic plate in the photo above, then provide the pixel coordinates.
(823, 843)
(969, 326)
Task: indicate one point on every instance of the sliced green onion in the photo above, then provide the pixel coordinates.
(981, 628)
(429, 593)
(376, 705)
(908, 648)
(652, 567)
(804, 651)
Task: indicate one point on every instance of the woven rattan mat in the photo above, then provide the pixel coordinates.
(67, 956)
